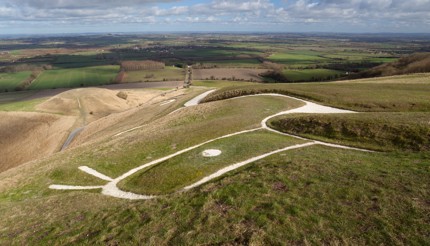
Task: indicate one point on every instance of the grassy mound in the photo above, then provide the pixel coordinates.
(402, 93)
(379, 131)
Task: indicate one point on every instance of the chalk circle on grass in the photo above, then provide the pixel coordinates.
(211, 152)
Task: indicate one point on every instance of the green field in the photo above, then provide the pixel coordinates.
(167, 74)
(75, 77)
(25, 105)
(312, 74)
(87, 59)
(240, 63)
(297, 57)
(221, 83)
(9, 81)
(214, 52)
(183, 170)
(390, 94)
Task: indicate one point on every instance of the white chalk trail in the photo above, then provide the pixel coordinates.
(243, 163)
(73, 187)
(190, 103)
(94, 173)
(111, 188)
(195, 101)
(167, 102)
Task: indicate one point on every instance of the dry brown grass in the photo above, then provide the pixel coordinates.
(228, 74)
(95, 103)
(28, 136)
(148, 109)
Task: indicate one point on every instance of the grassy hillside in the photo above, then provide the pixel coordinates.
(314, 195)
(188, 168)
(416, 63)
(379, 131)
(391, 94)
(311, 74)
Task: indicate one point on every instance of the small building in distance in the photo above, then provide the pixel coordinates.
(141, 65)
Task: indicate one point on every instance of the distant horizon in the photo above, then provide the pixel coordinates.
(140, 16)
(59, 34)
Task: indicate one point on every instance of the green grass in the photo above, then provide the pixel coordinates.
(390, 94)
(9, 81)
(75, 77)
(240, 63)
(311, 74)
(189, 128)
(297, 57)
(188, 168)
(166, 74)
(311, 196)
(213, 52)
(28, 105)
(116, 155)
(15, 96)
(378, 131)
(220, 83)
(317, 195)
(78, 61)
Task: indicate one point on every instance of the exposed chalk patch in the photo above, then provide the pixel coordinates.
(211, 152)
(167, 102)
(94, 173)
(73, 187)
(195, 101)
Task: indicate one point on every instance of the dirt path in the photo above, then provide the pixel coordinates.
(77, 130)
(111, 188)
(70, 138)
(195, 101)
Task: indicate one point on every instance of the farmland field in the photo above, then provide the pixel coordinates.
(297, 57)
(311, 74)
(228, 74)
(9, 81)
(240, 63)
(75, 77)
(167, 74)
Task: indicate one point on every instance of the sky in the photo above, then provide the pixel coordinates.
(337, 16)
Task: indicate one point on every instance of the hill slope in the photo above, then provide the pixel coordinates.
(27, 136)
(416, 63)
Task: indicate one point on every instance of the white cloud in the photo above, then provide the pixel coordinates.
(371, 13)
